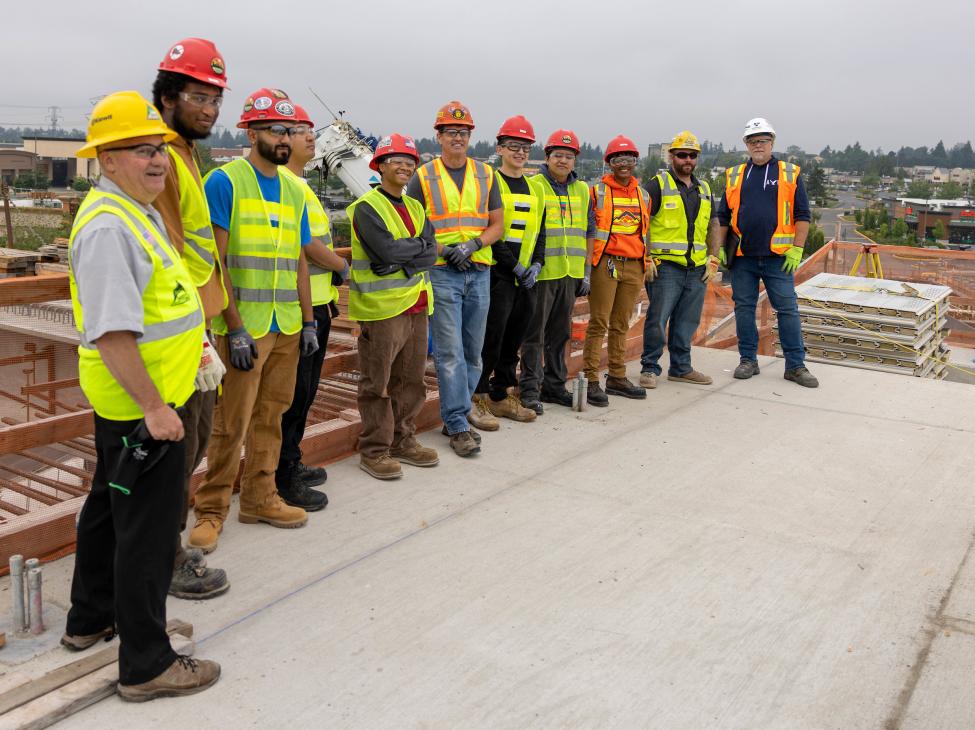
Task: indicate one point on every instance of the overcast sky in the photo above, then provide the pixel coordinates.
(886, 73)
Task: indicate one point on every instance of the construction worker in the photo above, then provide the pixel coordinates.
(390, 295)
(260, 224)
(765, 204)
(295, 480)
(141, 327)
(620, 266)
(680, 216)
(569, 231)
(188, 91)
(463, 205)
(518, 260)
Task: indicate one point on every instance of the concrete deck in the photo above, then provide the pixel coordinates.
(746, 555)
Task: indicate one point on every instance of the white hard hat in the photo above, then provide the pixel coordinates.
(758, 125)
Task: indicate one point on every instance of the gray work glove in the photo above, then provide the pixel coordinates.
(519, 271)
(459, 256)
(340, 277)
(531, 275)
(583, 287)
(384, 269)
(309, 339)
(243, 349)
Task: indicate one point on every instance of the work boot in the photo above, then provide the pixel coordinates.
(623, 387)
(480, 415)
(414, 453)
(746, 369)
(532, 403)
(693, 377)
(382, 467)
(802, 376)
(511, 408)
(648, 380)
(595, 395)
(561, 397)
(464, 444)
(194, 581)
(474, 434)
(205, 533)
(185, 676)
(312, 476)
(80, 642)
(296, 492)
(275, 513)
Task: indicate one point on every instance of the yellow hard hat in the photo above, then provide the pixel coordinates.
(122, 115)
(685, 141)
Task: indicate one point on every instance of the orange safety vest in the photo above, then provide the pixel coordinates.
(785, 230)
(457, 215)
(602, 197)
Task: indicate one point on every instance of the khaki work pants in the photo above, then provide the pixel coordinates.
(611, 302)
(249, 413)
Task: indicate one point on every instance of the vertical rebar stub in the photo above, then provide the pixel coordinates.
(34, 601)
(18, 612)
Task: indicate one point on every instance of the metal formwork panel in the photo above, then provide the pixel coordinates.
(854, 295)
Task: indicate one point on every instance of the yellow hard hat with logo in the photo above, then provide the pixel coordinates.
(685, 141)
(123, 115)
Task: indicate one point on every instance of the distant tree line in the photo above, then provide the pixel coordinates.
(856, 159)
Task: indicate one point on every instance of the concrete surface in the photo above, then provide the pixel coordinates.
(745, 555)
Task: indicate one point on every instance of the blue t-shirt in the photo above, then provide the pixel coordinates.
(220, 199)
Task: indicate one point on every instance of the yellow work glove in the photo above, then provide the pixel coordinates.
(793, 257)
(723, 257)
(650, 272)
(710, 269)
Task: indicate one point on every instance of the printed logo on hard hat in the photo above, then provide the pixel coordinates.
(249, 104)
(285, 108)
(278, 94)
(216, 65)
(409, 143)
(176, 51)
(566, 139)
(385, 142)
(458, 112)
(151, 113)
(263, 102)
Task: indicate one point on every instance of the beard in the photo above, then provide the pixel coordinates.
(184, 130)
(272, 153)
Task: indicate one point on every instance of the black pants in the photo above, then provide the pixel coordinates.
(306, 387)
(507, 322)
(124, 559)
(548, 333)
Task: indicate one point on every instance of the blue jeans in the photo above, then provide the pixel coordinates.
(460, 307)
(677, 297)
(746, 272)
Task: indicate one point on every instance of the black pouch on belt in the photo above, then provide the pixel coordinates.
(140, 453)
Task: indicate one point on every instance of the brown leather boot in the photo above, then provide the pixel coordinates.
(381, 467)
(205, 534)
(414, 453)
(275, 513)
(185, 676)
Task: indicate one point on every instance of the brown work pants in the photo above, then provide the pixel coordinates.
(197, 423)
(392, 360)
(249, 413)
(611, 302)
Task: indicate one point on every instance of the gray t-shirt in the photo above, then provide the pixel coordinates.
(415, 190)
(112, 270)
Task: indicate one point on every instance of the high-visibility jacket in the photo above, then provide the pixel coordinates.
(522, 217)
(323, 290)
(565, 229)
(172, 339)
(604, 197)
(457, 215)
(262, 259)
(668, 229)
(373, 297)
(784, 235)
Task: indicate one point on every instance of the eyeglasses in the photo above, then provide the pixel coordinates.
(279, 130)
(515, 147)
(686, 155)
(144, 151)
(456, 133)
(758, 142)
(201, 99)
(623, 161)
(399, 160)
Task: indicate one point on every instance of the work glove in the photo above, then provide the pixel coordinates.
(459, 256)
(309, 339)
(243, 349)
(384, 269)
(583, 287)
(722, 257)
(710, 269)
(519, 271)
(650, 273)
(211, 370)
(340, 277)
(793, 257)
(531, 275)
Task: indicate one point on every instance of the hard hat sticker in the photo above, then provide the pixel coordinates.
(385, 142)
(408, 142)
(278, 94)
(216, 65)
(566, 138)
(248, 105)
(457, 113)
(285, 108)
(176, 51)
(151, 113)
(262, 102)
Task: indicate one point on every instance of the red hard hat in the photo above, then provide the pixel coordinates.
(562, 138)
(619, 144)
(267, 105)
(301, 116)
(517, 127)
(197, 58)
(394, 144)
(454, 113)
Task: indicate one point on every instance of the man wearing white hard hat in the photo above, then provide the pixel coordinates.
(766, 206)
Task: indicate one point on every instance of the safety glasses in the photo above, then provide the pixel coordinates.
(279, 130)
(686, 155)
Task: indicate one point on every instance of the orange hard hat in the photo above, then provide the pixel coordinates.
(620, 144)
(562, 138)
(197, 58)
(454, 113)
(301, 116)
(267, 105)
(394, 144)
(517, 127)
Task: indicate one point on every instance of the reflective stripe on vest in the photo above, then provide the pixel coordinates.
(565, 235)
(522, 218)
(172, 339)
(323, 290)
(784, 235)
(604, 216)
(262, 260)
(457, 215)
(668, 229)
(373, 297)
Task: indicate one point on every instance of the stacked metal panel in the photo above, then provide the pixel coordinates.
(877, 324)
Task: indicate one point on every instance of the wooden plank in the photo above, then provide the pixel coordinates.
(46, 431)
(34, 289)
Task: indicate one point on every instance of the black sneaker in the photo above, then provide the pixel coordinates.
(534, 404)
(623, 387)
(595, 396)
(298, 494)
(194, 581)
(475, 434)
(802, 376)
(563, 399)
(312, 476)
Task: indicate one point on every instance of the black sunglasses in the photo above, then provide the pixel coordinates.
(685, 155)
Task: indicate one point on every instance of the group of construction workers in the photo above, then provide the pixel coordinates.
(204, 305)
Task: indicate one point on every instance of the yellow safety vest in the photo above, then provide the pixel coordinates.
(668, 229)
(323, 290)
(565, 235)
(262, 260)
(373, 297)
(457, 215)
(522, 217)
(172, 339)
